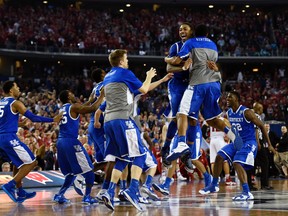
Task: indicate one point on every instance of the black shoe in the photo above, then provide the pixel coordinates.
(281, 176)
(164, 153)
(267, 188)
(186, 160)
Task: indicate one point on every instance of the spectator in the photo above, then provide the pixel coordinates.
(6, 167)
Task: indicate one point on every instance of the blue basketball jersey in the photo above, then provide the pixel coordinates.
(97, 90)
(122, 75)
(179, 76)
(68, 125)
(8, 119)
(246, 128)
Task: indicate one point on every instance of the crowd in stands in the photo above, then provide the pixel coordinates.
(143, 30)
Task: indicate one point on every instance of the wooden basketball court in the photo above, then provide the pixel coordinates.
(184, 200)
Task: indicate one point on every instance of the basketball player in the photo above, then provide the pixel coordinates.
(242, 158)
(204, 90)
(73, 159)
(11, 146)
(124, 144)
(194, 138)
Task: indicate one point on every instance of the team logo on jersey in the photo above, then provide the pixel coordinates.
(78, 148)
(14, 142)
(129, 124)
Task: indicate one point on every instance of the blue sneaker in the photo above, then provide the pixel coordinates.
(61, 199)
(88, 200)
(24, 195)
(161, 188)
(210, 189)
(10, 191)
(132, 198)
(108, 200)
(149, 191)
(79, 185)
(238, 142)
(182, 148)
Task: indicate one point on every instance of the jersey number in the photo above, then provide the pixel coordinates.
(238, 126)
(64, 118)
(1, 111)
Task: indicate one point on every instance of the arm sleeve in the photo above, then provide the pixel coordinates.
(35, 118)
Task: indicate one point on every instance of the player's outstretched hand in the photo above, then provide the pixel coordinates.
(151, 73)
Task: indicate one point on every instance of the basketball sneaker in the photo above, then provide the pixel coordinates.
(79, 185)
(229, 182)
(9, 189)
(181, 149)
(149, 191)
(108, 201)
(210, 189)
(60, 199)
(23, 195)
(132, 198)
(243, 197)
(88, 200)
(161, 188)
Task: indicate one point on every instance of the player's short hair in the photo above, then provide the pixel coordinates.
(63, 96)
(97, 74)
(188, 24)
(116, 56)
(234, 92)
(7, 86)
(201, 30)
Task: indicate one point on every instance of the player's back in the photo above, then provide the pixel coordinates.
(203, 50)
(8, 119)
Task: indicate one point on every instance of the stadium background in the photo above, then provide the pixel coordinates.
(32, 64)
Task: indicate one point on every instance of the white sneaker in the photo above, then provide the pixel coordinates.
(79, 185)
(99, 195)
(181, 148)
(180, 177)
(243, 197)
